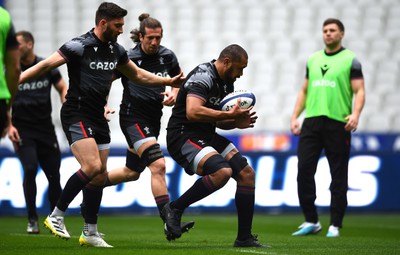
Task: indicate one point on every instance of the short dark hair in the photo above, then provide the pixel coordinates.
(28, 37)
(235, 52)
(334, 21)
(109, 11)
(145, 22)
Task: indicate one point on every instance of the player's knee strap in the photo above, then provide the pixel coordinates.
(134, 162)
(237, 163)
(214, 163)
(151, 154)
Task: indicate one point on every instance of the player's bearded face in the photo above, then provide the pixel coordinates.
(23, 48)
(110, 34)
(113, 30)
(229, 76)
(234, 71)
(151, 40)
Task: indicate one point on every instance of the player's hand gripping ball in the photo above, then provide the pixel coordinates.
(247, 99)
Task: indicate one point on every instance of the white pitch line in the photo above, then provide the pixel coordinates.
(257, 252)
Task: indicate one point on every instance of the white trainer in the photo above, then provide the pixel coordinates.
(333, 231)
(56, 225)
(33, 227)
(308, 228)
(95, 240)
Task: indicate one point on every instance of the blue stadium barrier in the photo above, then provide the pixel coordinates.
(373, 180)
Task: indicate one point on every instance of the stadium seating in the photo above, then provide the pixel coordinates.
(278, 34)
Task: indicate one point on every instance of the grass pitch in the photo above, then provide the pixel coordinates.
(212, 234)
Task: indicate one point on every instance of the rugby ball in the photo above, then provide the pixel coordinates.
(247, 99)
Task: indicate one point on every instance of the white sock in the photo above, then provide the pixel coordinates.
(57, 212)
(90, 229)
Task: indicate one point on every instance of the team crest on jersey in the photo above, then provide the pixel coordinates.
(161, 59)
(225, 88)
(111, 48)
(139, 62)
(95, 49)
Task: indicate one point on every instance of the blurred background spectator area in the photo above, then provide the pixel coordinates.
(279, 35)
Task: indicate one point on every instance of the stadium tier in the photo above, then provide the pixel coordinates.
(279, 35)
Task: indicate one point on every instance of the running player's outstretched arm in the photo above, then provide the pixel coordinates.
(141, 76)
(53, 61)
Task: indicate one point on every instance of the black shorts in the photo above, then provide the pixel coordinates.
(183, 148)
(44, 140)
(80, 127)
(137, 131)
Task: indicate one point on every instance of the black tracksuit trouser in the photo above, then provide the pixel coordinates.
(317, 134)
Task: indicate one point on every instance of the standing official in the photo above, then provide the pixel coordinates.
(333, 78)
